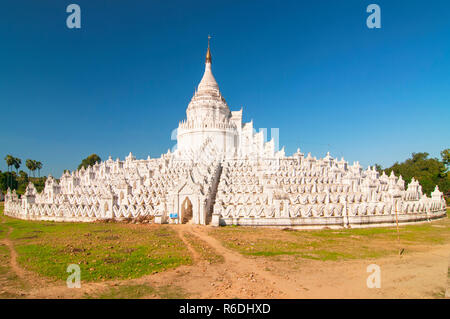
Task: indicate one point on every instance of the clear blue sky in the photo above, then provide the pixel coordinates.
(311, 68)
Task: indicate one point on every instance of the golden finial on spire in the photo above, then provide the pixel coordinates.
(208, 52)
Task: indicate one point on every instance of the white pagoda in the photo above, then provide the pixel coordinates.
(223, 173)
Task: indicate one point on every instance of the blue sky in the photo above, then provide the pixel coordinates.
(311, 68)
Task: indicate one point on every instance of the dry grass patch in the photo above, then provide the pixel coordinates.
(333, 244)
(138, 291)
(205, 251)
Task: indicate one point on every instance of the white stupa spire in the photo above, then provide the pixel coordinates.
(208, 81)
(208, 96)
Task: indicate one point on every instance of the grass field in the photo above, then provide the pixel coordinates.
(332, 244)
(103, 251)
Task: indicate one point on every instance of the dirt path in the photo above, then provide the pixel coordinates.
(242, 265)
(13, 256)
(418, 275)
(180, 231)
(27, 276)
(23, 280)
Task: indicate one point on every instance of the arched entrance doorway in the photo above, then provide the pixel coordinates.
(186, 210)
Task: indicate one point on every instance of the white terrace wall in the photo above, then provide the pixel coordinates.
(288, 192)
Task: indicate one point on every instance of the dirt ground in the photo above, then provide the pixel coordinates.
(421, 274)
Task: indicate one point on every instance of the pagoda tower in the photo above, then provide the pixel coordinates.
(208, 118)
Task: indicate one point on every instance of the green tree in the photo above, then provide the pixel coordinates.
(378, 168)
(445, 154)
(38, 167)
(23, 178)
(17, 163)
(3, 182)
(428, 171)
(23, 175)
(22, 182)
(90, 161)
(31, 165)
(10, 162)
(8, 180)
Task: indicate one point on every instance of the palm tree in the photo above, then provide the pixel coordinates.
(38, 167)
(17, 163)
(10, 162)
(31, 165)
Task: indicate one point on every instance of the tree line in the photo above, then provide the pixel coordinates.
(19, 180)
(428, 171)
(16, 162)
